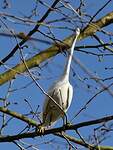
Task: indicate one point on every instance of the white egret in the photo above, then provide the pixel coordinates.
(61, 91)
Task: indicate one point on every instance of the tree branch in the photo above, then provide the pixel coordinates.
(87, 145)
(29, 121)
(19, 116)
(55, 49)
(29, 34)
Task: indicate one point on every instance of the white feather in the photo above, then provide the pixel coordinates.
(62, 93)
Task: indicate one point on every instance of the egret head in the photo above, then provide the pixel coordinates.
(77, 32)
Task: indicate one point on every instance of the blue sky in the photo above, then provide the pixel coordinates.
(101, 106)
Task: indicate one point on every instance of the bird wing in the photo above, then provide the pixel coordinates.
(63, 96)
(69, 96)
(51, 112)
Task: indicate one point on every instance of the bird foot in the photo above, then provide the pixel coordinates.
(66, 125)
(40, 130)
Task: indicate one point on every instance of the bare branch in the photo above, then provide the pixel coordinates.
(18, 116)
(55, 49)
(47, 131)
(29, 34)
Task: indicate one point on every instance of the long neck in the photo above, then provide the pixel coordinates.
(68, 63)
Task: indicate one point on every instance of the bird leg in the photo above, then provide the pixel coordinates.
(65, 121)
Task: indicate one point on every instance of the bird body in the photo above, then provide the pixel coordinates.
(61, 91)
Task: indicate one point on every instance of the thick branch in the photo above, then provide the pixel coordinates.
(49, 131)
(18, 116)
(96, 26)
(26, 37)
(80, 142)
(55, 49)
(55, 131)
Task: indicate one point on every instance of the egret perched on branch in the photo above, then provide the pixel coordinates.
(59, 94)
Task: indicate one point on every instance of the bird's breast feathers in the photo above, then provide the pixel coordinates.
(62, 93)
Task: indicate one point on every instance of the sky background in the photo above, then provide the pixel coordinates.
(101, 106)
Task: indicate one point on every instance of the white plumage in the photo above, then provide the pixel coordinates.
(61, 91)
